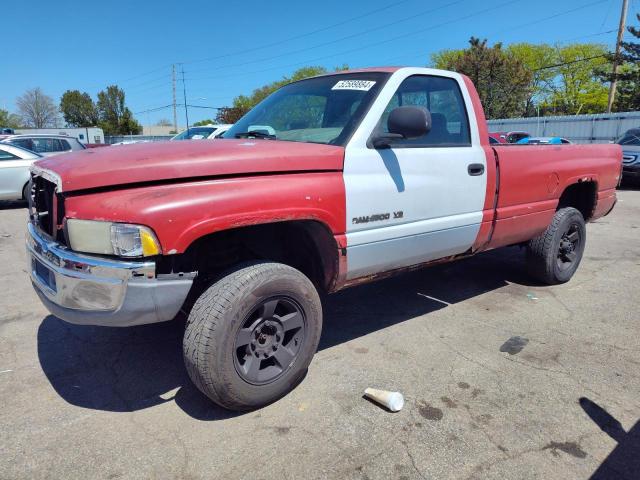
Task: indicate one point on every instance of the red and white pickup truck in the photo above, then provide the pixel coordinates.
(329, 182)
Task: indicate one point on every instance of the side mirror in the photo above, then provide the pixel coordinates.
(404, 123)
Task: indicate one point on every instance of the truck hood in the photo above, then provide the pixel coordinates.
(163, 161)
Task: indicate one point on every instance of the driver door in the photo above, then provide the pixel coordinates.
(420, 199)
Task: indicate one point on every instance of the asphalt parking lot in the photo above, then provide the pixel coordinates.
(562, 401)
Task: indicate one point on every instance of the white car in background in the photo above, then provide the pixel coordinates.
(14, 171)
(202, 132)
(44, 144)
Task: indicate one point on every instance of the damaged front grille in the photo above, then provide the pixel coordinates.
(45, 205)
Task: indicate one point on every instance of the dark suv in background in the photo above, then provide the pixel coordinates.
(630, 143)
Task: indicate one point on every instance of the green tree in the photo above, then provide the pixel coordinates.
(37, 109)
(9, 120)
(628, 77)
(206, 121)
(540, 61)
(115, 118)
(243, 103)
(78, 109)
(502, 80)
(578, 87)
(445, 58)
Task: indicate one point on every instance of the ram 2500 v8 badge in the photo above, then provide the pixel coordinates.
(329, 182)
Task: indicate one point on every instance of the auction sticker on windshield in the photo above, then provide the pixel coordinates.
(364, 85)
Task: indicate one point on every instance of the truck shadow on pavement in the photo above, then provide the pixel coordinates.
(130, 369)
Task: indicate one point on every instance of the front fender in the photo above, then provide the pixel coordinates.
(181, 213)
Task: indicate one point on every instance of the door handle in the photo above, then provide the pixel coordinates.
(475, 169)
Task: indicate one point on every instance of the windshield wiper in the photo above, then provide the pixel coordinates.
(255, 134)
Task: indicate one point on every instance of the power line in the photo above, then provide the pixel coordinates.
(421, 52)
(269, 45)
(370, 45)
(387, 25)
(570, 62)
(338, 40)
(606, 17)
(149, 72)
(556, 65)
(155, 109)
(184, 91)
(297, 37)
(163, 77)
(401, 37)
(164, 107)
(173, 89)
(588, 36)
(535, 22)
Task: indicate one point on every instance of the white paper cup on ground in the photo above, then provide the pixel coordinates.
(394, 401)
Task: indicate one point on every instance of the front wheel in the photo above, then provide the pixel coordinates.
(554, 256)
(251, 335)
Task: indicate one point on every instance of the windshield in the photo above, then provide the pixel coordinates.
(317, 110)
(193, 133)
(632, 137)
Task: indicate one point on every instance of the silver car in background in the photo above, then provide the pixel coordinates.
(45, 145)
(203, 131)
(14, 171)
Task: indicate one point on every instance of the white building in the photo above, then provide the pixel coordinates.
(84, 135)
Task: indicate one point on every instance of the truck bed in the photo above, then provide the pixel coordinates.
(532, 178)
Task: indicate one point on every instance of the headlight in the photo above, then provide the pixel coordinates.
(107, 238)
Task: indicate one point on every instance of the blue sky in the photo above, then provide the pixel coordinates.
(230, 48)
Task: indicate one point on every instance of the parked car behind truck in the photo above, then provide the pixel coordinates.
(328, 183)
(630, 143)
(46, 145)
(202, 132)
(14, 171)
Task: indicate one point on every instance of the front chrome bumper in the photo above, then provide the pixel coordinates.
(90, 290)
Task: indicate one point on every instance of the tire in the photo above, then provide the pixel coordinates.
(554, 256)
(25, 192)
(251, 335)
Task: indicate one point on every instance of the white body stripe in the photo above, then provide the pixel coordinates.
(441, 203)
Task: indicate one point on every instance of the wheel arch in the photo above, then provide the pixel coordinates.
(581, 194)
(305, 244)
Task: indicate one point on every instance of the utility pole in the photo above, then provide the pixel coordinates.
(175, 114)
(612, 88)
(184, 93)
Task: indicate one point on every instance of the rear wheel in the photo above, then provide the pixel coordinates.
(250, 336)
(554, 256)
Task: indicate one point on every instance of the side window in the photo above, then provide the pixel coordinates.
(42, 145)
(4, 155)
(24, 143)
(443, 98)
(63, 145)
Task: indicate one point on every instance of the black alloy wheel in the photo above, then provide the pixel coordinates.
(569, 247)
(269, 340)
